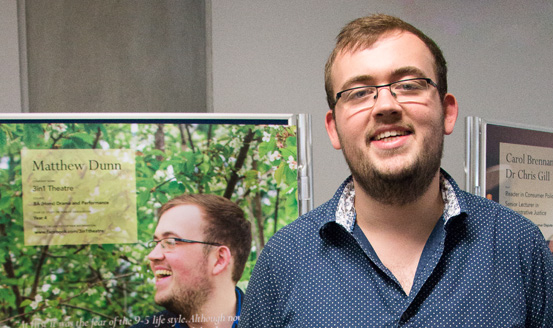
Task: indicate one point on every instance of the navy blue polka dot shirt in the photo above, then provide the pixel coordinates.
(483, 266)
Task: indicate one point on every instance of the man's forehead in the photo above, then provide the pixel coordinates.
(181, 221)
(384, 57)
(371, 42)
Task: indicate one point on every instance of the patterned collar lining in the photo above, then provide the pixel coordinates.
(345, 212)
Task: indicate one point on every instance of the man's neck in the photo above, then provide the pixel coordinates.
(427, 208)
(398, 233)
(219, 311)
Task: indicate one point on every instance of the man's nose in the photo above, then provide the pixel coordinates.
(156, 253)
(386, 103)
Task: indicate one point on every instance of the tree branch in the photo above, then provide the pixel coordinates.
(259, 220)
(190, 141)
(160, 141)
(85, 309)
(277, 204)
(239, 163)
(97, 139)
(43, 256)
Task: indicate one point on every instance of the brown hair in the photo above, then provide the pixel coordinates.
(365, 31)
(226, 225)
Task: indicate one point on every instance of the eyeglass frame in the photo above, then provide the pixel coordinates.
(428, 80)
(151, 245)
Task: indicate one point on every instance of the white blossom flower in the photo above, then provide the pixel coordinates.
(59, 127)
(104, 144)
(159, 175)
(273, 156)
(266, 136)
(91, 291)
(292, 163)
(4, 163)
(56, 291)
(46, 287)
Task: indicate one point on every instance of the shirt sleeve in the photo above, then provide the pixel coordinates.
(539, 284)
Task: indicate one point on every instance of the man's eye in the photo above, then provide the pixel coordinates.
(170, 242)
(409, 86)
(360, 94)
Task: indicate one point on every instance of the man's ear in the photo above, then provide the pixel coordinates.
(451, 110)
(221, 259)
(330, 123)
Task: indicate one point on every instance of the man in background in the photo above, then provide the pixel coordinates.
(200, 248)
(399, 244)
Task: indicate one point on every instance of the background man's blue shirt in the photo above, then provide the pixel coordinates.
(486, 266)
(168, 319)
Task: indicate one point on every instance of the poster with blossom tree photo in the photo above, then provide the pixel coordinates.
(79, 194)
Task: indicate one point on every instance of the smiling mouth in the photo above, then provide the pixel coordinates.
(389, 135)
(160, 274)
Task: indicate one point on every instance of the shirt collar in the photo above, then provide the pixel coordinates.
(346, 215)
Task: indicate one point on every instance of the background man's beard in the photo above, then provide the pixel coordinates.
(396, 188)
(188, 301)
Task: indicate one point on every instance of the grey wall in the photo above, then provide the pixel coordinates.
(116, 56)
(10, 88)
(268, 56)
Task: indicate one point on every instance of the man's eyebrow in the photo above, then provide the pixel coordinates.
(408, 70)
(357, 79)
(166, 234)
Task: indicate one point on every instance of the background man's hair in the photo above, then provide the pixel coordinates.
(364, 32)
(225, 224)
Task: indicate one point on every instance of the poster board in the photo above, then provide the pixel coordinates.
(79, 194)
(512, 164)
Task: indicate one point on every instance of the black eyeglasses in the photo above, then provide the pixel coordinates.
(171, 243)
(408, 90)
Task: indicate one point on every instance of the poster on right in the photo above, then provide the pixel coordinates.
(513, 165)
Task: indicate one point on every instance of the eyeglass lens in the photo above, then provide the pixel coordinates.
(415, 90)
(167, 243)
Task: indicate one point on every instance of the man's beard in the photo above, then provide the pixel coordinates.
(188, 300)
(399, 188)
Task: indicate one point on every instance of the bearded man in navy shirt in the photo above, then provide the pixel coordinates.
(399, 245)
(199, 251)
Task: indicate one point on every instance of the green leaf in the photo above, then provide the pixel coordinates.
(291, 142)
(8, 296)
(25, 303)
(3, 137)
(108, 247)
(287, 152)
(85, 137)
(142, 198)
(279, 173)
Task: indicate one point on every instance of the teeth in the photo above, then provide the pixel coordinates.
(163, 273)
(389, 134)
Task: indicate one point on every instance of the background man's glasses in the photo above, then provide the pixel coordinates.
(409, 90)
(170, 243)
